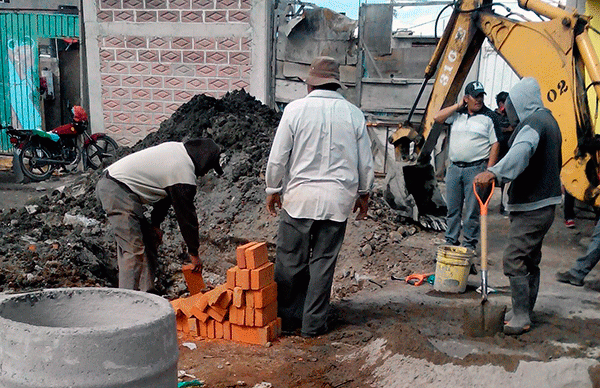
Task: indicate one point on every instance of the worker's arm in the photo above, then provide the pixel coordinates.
(182, 196)
(515, 161)
(277, 163)
(366, 174)
(494, 152)
(441, 116)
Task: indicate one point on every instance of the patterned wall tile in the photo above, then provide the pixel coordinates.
(180, 4)
(111, 105)
(217, 57)
(105, 16)
(131, 81)
(239, 58)
(110, 4)
(215, 16)
(195, 84)
(239, 16)
(121, 93)
(122, 118)
(206, 71)
(246, 44)
(193, 56)
(152, 82)
(218, 84)
(116, 68)
(182, 95)
(203, 4)
(169, 16)
(192, 16)
(133, 4)
(162, 95)
(181, 43)
(113, 42)
(154, 107)
(228, 44)
(173, 83)
(136, 42)
(160, 69)
(158, 43)
(139, 68)
(205, 44)
(141, 94)
(107, 54)
(125, 55)
(123, 16)
(246, 4)
(229, 71)
(227, 4)
(148, 55)
(155, 4)
(240, 84)
(146, 16)
(184, 69)
(131, 105)
(170, 56)
(110, 80)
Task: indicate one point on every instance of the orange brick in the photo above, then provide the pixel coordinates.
(265, 315)
(225, 299)
(249, 316)
(240, 254)
(249, 298)
(217, 313)
(242, 279)
(238, 297)
(231, 277)
(257, 256)
(274, 329)
(193, 323)
(211, 328)
(262, 277)
(194, 280)
(265, 296)
(215, 294)
(218, 330)
(199, 314)
(251, 335)
(226, 330)
(176, 304)
(237, 315)
(181, 320)
(191, 301)
(203, 329)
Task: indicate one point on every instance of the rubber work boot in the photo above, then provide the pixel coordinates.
(567, 277)
(534, 286)
(520, 322)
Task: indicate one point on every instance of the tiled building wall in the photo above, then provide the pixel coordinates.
(147, 73)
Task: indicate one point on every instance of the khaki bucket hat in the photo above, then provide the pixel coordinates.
(324, 70)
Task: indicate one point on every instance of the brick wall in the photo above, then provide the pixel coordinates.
(147, 71)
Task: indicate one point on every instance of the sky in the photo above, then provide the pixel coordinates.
(420, 19)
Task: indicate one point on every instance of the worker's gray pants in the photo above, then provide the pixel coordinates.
(526, 233)
(585, 264)
(136, 252)
(307, 251)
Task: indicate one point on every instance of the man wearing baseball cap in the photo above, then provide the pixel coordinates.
(473, 147)
(320, 170)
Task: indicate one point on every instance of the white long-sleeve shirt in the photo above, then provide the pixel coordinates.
(321, 157)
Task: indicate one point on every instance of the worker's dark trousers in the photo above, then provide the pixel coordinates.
(526, 233)
(307, 251)
(136, 253)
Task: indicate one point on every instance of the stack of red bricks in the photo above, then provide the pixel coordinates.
(244, 309)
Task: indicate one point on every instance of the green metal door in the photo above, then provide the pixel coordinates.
(19, 65)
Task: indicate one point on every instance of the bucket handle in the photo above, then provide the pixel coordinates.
(483, 206)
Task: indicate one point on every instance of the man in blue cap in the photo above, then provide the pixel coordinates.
(473, 147)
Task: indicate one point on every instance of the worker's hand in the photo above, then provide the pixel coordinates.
(484, 178)
(197, 262)
(362, 205)
(273, 202)
(464, 101)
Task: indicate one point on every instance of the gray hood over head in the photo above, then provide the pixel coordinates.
(526, 97)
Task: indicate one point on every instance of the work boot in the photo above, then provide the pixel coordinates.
(534, 286)
(520, 321)
(567, 277)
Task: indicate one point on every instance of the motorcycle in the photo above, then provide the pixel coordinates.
(40, 153)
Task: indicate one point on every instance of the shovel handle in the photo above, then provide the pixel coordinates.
(483, 206)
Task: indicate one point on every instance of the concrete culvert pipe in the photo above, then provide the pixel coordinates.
(87, 338)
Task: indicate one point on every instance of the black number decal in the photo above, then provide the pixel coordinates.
(562, 88)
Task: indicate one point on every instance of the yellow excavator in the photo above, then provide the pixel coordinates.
(557, 52)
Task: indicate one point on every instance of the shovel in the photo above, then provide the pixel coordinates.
(485, 319)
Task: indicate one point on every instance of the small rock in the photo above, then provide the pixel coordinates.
(190, 345)
(367, 250)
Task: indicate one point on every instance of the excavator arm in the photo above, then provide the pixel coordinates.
(557, 52)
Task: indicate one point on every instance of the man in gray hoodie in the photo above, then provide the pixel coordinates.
(161, 176)
(532, 165)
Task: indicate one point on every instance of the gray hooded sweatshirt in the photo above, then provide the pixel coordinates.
(533, 162)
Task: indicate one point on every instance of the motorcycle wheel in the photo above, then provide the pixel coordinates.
(31, 166)
(75, 158)
(101, 152)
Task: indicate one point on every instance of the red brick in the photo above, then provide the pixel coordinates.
(203, 329)
(211, 328)
(265, 296)
(189, 302)
(218, 330)
(265, 315)
(199, 314)
(215, 294)
(249, 298)
(238, 297)
(225, 300)
(252, 335)
(262, 277)
(181, 320)
(240, 254)
(242, 278)
(194, 280)
(237, 315)
(227, 330)
(193, 326)
(231, 278)
(217, 313)
(256, 255)
(275, 329)
(249, 316)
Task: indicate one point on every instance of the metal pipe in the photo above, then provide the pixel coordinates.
(545, 9)
(590, 59)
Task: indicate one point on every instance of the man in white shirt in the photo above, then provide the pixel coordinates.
(473, 147)
(321, 166)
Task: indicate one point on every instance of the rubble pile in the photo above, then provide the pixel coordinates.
(61, 240)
